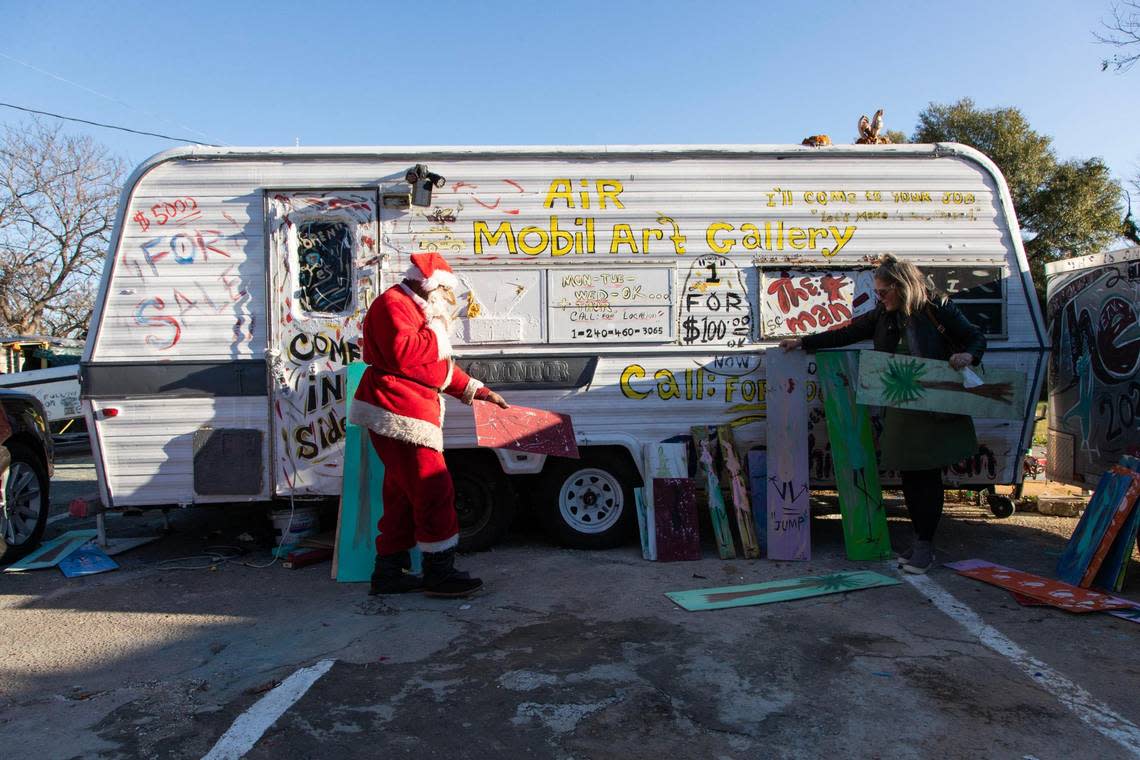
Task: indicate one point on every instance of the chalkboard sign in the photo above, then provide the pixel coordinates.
(324, 267)
(979, 291)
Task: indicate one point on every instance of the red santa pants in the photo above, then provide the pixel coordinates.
(419, 499)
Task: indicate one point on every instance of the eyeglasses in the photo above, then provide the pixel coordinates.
(881, 293)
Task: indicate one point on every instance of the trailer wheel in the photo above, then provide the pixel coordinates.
(1001, 507)
(588, 503)
(23, 515)
(484, 500)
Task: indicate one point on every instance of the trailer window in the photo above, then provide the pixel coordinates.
(979, 291)
(324, 267)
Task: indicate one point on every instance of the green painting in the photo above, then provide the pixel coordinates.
(717, 512)
(361, 503)
(778, 591)
(932, 385)
(853, 457)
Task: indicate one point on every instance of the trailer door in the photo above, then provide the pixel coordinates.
(323, 273)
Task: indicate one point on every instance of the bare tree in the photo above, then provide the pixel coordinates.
(57, 202)
(1124, 33)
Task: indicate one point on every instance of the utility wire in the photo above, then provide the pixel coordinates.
(47, 73)
(108, 126)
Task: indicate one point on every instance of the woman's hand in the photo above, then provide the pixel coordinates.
(495, 398)
(791, 344)
(963, 359)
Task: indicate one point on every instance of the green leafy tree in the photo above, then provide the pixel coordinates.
(1065, 208)
(896, 137)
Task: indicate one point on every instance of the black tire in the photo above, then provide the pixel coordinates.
(588, 503)
(1001, 507)
(26, 498)
(484, 499)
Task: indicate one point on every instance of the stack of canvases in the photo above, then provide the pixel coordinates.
(1101, 545)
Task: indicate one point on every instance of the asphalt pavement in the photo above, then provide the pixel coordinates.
(566, 654)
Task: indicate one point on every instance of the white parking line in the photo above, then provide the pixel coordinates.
(1084, 705)
(254, 722)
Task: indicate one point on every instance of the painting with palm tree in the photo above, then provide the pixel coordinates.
(932, 385)
(778, 591)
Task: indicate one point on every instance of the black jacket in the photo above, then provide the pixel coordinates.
(884, 328)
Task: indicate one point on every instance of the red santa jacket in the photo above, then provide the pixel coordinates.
(409, 365)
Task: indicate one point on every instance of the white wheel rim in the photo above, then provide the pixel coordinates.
(22, 503)
(590, 500)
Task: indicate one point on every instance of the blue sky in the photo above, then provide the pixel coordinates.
(399, 73)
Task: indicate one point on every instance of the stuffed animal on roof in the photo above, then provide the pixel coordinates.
(869, 130)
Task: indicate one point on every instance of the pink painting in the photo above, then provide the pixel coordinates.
(520, 428)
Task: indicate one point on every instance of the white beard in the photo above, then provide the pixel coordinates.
(438, 307)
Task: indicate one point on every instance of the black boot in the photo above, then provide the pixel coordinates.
(392, 575)
(442, 579)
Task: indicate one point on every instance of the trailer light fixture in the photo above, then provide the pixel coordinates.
(109, 412)
(423, 182)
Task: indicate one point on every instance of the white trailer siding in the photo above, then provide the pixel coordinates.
(147, 447)
(519, 225)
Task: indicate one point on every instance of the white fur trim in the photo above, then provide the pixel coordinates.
(443, 343)
(438, 546)
(415, 297)
(469, 392)
(439, 278)
(450, 374)
(392, 425)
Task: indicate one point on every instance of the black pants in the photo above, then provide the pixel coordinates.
(922, 490)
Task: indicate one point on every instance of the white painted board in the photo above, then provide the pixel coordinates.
(498, 306)
(612, 304)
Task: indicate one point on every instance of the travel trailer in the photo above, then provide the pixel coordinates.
(635, 288)
(1094, 367)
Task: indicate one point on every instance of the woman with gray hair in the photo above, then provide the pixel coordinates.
(912, 319)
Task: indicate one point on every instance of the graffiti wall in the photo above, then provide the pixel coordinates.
(1094, 368)
(184, 283)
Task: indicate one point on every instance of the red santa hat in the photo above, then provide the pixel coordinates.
(431, 271)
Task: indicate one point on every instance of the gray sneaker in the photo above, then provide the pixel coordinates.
(921, 558)
(904, 556)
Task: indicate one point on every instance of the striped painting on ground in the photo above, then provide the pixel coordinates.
(361, 502)
(789, 517)
(778, 591)
(853, 457)
(1111, 503)
(931, 385)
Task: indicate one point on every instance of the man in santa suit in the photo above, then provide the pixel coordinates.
(408, 353)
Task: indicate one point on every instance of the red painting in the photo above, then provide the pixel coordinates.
(1054, 593)
(519, 428)
(675, 517)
